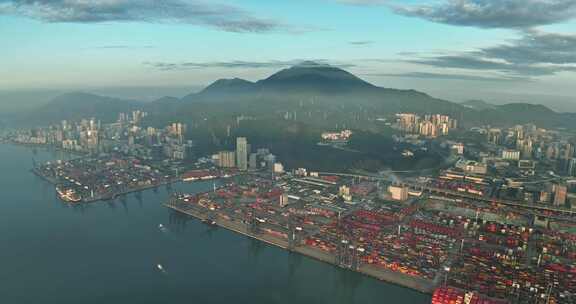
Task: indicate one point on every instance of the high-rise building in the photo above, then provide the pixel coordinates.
(270, 160)
(253, 161)
(544, 197)
(519, 132)
(568, 151)
(278, 168)
(283, 200)
(572, 167)
(242, 153)
(508, 154)
(226, 159)
(526, 147)
(560, 194)
(495, 136)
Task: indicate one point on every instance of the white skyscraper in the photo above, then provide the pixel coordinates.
(242, 153)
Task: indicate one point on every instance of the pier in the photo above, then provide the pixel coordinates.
(111, 184)
(418, 284)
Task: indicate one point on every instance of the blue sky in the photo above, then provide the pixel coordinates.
(451, 48)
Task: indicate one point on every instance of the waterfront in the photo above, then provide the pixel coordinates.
(108, 252)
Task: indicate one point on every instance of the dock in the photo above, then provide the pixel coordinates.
(418, 284)
(95, 198)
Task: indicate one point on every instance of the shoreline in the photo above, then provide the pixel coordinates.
(421, 285)
(53, 182)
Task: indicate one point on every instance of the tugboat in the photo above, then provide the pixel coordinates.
(209, 222)
(68, 195)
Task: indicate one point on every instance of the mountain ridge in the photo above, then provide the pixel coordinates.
(326, 88)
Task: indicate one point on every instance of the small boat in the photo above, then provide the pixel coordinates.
(160, 226)
(209, 222)
(159, 266)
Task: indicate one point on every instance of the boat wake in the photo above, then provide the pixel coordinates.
(161, 269)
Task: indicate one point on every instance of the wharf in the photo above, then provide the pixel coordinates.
(44, 177)
(418, 284)
(93, 199)
(233, 226)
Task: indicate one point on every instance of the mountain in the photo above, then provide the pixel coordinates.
(325, 95)
(229, 86)
(328, 86)
(523, 113)
(17, 101)
(478, 105)
(167, 99)
(222, 90)
(79, 105)
(306, 78)
(311, 76)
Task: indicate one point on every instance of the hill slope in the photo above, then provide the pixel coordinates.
(79, 105)
(326, 95)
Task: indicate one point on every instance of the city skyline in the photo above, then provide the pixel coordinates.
(488, 48)
(303, 151)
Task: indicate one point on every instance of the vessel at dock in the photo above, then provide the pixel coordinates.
(209, 222)
(68, 195)
(196, 175)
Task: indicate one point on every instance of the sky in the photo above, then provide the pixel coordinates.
(456, 49)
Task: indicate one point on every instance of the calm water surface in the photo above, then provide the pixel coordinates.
(107, 252)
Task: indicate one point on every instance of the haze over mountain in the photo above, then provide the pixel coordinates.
(478, 104)
(561, 104)
(321, 87)
(326, 85)
(78, 105)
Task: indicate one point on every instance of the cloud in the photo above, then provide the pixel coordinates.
(470, 61)
(493, 13)
(534, 54)
(538, 47)
(224, 17)
(239, 64)
(424, 75)
(363, 2)
(120, 46)
(361, 42)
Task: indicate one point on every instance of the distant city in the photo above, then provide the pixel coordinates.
(503, 198)
(286, 152)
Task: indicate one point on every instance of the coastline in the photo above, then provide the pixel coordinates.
(53, 182)
(417, 284)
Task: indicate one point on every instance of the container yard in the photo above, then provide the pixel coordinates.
(89, 179)
(462, 251)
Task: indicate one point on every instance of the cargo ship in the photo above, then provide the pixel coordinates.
(198, 175)
(450, 295)
(68, 195)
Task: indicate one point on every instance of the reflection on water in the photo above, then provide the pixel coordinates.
(108, 252)
(138, 197)
(178, 221)
(294, 262)
(124, 206)
(347, 284)
(255, 248)
(111, 204)
(78, 208)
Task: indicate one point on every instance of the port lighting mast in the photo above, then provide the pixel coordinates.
(294, 232)
(252, 223)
